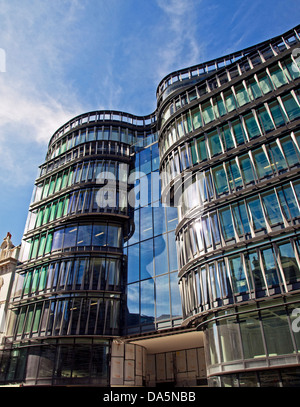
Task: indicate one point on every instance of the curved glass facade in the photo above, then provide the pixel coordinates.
(183, 221)
(229, 151)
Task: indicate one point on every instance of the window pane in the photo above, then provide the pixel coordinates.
(147, 305)
(256, 92)
(57, 239)
(201, 149)
(278, 157)
(277, 332)
(207, 113)
(84, 235)
(262, 165)
(229, 101)
(253, 267)
(70, 236)
(114, 236)
(220, 180)
(246, 169)
(196, 118)
(291, 107)
(289, 151)
(265, 84)
(162, 297)
(287, 198)
(269, 267)
(242, 95)
(146, 248)
(227, 137)
(238, 276)
(256, 214)
(226, 223)
(214, 143)
(241, 219)
(252, 127)
(238, 132)
(272, 209)
(251, 336)
(99, 235)
(289, 262)
(277, 114)
(278, 77)
(265, 119)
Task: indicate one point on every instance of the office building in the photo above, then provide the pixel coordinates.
(165, 248)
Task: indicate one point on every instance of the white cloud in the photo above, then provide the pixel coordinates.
(181, 46)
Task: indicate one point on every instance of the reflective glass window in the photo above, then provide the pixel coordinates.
(57, 239)
(289, 262)
(276, 331)
(84, 235)
(220, 180)
(253, 267)
(264, 83)
(291, 107)
(236, 175)
(147, 305)
(70, 235)
(162, 297)
(196, 118)
(278, 157)
(99, 235)
(251, 336)
(288, 202)
(214, 143)
(114, 236)
(146, 259)
(271, 207)
(241, 95)
(238, 276)
(207, 113)
(146, 223)
(240, 218)
(256, 213)
(277, 114)
(251, 125)
(269, 266)
(238, 132)
(161, 254)
(246, 168)
(278, 77)
(227, 137)
(290, 69)
(201, 148)
(289, 150)
(265, 119)
(226, 223)
(262, 165)
(254, 88)
(229, 101)
(230, 339)
(221, 107)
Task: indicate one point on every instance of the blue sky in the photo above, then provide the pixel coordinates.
(66, 57)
